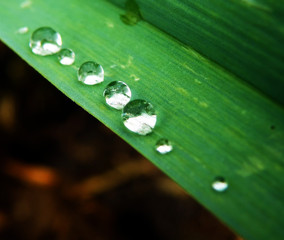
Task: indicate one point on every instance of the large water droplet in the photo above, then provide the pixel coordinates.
(91, 73)
(139, 116)
(66, 56)
(117, 94)
(220, 184)
(45, 41)
(164, 146)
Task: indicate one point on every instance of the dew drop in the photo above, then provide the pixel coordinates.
(220, 184)
(117, 94)
(91, 73)
(139, 116)
(164, 146)
(23, 30)
(66, 56)
(45, 41)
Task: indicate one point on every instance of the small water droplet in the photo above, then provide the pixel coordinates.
(164, 146)
(139, 116)
(45, 41)
(132, 15)
(23, 30)
(91, 73)
(220, 184)
(25, 4)
(66, 56)
(117, 94)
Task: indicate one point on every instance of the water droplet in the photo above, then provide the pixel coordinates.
(220, 184)
(132, 15)
(66, 56)
(45, 41)
(23, 30)
(91, 73)
(139, 116)
(25, 4)
(117, 94)
(164, 146)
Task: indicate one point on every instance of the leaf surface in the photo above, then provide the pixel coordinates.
(219, 125)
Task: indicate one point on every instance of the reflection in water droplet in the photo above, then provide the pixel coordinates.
(220, 184)
(66, 56)
(91, 73)
(45, 41)
(139, 116)
(117, 94)
(164, 146)
(23, 30)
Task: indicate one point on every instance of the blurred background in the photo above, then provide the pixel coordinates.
(65, 176)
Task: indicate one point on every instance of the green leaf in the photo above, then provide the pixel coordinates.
(219, 125)
(243, 36)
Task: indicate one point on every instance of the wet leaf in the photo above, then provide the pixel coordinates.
(219, 125)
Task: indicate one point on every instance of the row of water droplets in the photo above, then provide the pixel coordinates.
(138, 115)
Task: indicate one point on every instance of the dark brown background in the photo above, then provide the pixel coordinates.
(65, 176)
